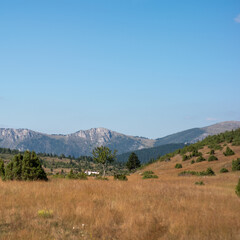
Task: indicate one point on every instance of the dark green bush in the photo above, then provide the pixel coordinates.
(228, 152)
(148, 174)
(212, 152)
(200, 159)
(101, 178)
(238, 188)
(199, 183)
(236, 165)
(185, 157)
(178, 165)
(192, 162)
(80, 175)
(208, 172)
(223, 170)
(212, 158)
(121, 177)
(215, 146)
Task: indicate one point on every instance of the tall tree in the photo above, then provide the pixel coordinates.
(2, 169)
(133, 162)
(103, 155)
(31, 167)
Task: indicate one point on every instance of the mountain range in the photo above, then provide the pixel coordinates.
(82, 142)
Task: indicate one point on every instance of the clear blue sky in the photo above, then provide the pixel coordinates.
(140, 67)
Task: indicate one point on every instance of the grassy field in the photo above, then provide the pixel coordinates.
(170, 207)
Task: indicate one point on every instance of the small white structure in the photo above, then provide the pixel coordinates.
(91, 173)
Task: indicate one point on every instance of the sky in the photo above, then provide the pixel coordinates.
(140, 67)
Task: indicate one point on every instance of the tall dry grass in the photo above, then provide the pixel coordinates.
(170, 207)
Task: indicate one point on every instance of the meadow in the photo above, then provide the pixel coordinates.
(169, 207)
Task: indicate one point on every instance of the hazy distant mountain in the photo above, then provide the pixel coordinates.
(82, 142)
(197, 134)
(79, 143)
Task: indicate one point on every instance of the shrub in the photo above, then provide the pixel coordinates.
(80, 175)
(212, 158)
(45, 213)
(200, 159)
(212, 152)
(236, 165)
(229, 152)
(208, 172)
(121, 177)
(215, 146)
(199, 183)
(238, 188)
(149, 174)
(192, 162)
(195, 153)
(185, 157)
(178, 165)
(101, 178)
(223, 170)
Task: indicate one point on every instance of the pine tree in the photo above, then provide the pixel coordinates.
(2, 169)
(17, 167)
(133, 162)
(31, 167)
(9, 171)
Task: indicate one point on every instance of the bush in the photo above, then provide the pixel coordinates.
(45, 213)
(192, 162)
(212, 152)
(229, 152)
(178, 165)
(200, 159)
(185, 157)
(80, 175)
(149, 174)
(212, 158)
(215, 146)
(223, 170)
(208, 172)
(236, 165)
(199, 183)
(121, 177)
(238, 188)
(101, 178)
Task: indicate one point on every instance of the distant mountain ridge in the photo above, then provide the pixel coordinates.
(82, 142)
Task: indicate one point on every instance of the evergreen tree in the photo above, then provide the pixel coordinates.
(238, 188)
(229, 152)
(9, 171)
(31, 167)
(2, 169)
(133, 162)
(17, 167)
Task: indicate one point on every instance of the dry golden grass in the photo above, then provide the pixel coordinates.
(169, 207)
